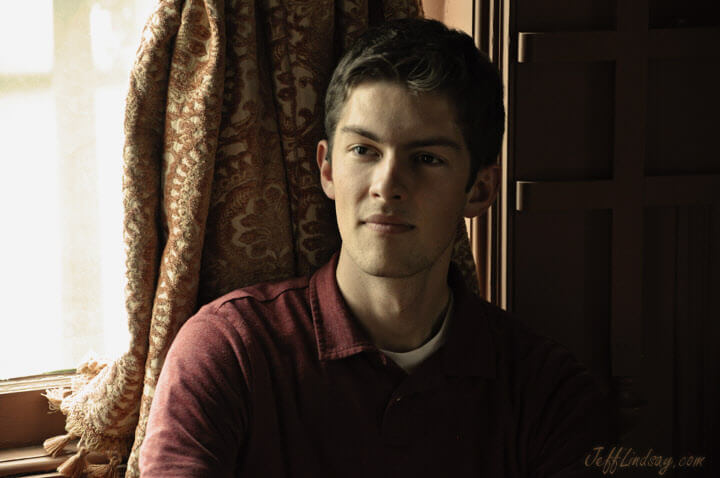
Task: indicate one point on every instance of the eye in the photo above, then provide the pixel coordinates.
(428, 159)
(360, 150)
(363, 151)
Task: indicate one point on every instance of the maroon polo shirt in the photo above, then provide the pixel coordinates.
(280, 380)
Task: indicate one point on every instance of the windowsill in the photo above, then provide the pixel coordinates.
(32, 459)
(26, 422)
(25, 416)
(36, 382)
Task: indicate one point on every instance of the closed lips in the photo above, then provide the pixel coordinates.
(387, 223)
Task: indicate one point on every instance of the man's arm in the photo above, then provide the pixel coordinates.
(199, 412)
(569, 416)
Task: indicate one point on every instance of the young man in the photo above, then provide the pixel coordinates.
(382, 363)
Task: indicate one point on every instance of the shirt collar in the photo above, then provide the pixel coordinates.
(337, 333)
(468, 349)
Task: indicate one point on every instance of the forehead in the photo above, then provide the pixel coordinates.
(399, 113)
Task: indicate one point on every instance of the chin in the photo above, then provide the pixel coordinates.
(392, 267)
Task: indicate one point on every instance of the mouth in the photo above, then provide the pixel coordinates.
(387, 224)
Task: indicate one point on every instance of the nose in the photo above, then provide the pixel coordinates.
(389, 179)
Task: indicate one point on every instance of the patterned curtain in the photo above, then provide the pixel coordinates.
(220, 186)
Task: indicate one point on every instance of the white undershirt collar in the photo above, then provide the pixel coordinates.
(411, 359)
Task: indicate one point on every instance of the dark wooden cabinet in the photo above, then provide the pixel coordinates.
(609, 230)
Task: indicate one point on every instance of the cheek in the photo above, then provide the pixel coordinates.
(348, 184)
(344, 198)
(447, 208)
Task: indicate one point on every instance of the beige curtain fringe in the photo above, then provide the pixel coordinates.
(108, 470)
(74, 467)
(55, 445)
(55, 396)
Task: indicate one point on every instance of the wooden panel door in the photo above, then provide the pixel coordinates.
(609, 225)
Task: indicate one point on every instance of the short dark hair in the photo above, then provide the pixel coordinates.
(426, 56)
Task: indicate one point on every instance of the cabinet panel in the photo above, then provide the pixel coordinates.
(683, 104)
(567, 15)
(562, 281)
(565, 121)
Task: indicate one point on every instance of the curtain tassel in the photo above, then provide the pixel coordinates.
(55, 397)
(91, 367)
(107, 470)
(75, 465)
(55, 445)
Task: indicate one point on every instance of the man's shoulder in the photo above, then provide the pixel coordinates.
(534, 365)
(279, 304)
(519, 347)
(509, 338)
(263, 292)
(507, 332)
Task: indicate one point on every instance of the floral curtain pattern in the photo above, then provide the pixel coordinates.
(220, 185)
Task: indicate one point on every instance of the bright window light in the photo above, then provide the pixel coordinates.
(28, 23)
(61, 127)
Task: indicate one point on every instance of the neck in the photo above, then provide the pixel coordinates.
(399, 314)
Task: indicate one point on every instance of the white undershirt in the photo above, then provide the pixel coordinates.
(411, 359)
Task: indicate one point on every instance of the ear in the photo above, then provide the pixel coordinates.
(325, 167)
(483, 191)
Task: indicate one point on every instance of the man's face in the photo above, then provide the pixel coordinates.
(398, 172)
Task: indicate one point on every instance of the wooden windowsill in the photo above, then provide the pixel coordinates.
(25, 416)
(26, 421)
(32, 459)
(37, 382)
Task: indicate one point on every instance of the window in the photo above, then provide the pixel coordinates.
(64, 69)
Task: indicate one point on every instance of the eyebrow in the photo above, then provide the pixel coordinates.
(418, 143)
